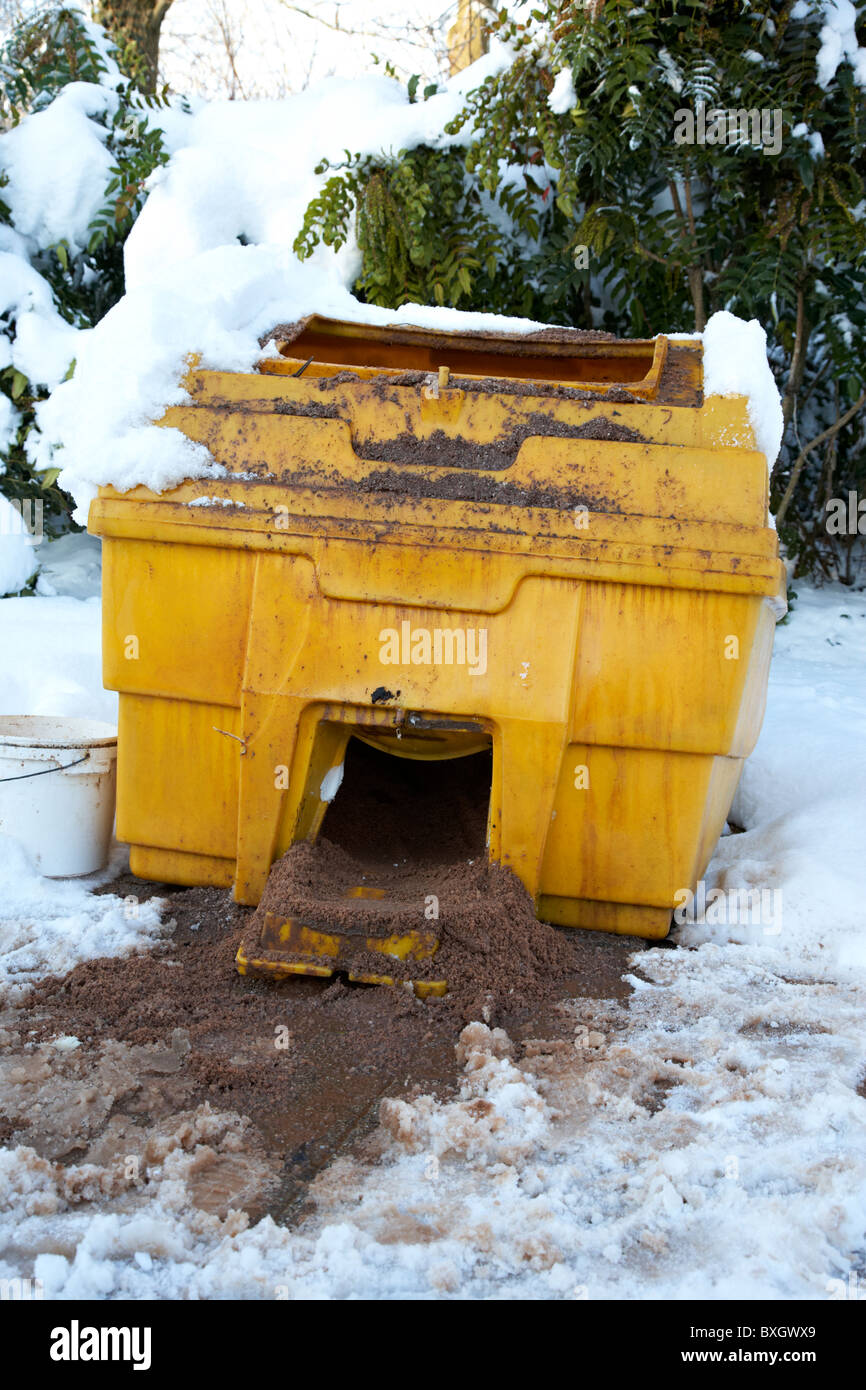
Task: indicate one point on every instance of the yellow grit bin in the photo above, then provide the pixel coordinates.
(552, 545)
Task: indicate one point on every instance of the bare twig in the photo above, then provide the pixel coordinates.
(798, 360)
(231, 44)
(694, 270)
(417, 35)
(829, 433)
(270, 48)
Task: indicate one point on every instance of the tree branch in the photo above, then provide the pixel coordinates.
(798, 359)
(402, 31)
(694, 270)
(829, 433)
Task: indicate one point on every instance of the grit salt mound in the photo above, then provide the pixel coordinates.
(417, 831)
(492, 952)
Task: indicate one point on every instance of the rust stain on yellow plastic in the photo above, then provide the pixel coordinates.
(611, 541)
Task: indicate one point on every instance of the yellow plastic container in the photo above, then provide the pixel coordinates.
(553, 546)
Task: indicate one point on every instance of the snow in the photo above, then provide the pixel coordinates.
(8, 417)
(239, 170)
(22, 289)
(133, 361)
(563, 97)
(45, 347)
(57, 167)
(816, 143)
(839, 41)
(56, 159)
(206, 501)
(707, 1141)
(209, 268)
(44, 344)
(52, 648)
(817, 687)
(331, 783)
(17, 555)
(47, 926)
(735, 364)
(67, 152)
(672, 74)
(52, 658)
(246, 169)
(71, 565)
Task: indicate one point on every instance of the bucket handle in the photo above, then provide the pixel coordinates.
(22, 776)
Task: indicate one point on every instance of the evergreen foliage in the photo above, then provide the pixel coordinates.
(41, 57)
(674, 230)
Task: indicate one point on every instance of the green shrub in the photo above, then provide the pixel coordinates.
(672, 231)
(41, 56)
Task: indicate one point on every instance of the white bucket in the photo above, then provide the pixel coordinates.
(57, 788)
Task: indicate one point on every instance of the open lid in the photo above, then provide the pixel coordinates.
(594, 361)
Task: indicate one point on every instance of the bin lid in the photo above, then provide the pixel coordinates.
(352, 439)
(557, 357)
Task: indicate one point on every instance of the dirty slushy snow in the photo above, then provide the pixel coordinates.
(707, 1141)
(48, 925)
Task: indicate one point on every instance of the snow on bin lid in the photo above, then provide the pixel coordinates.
(735, 364)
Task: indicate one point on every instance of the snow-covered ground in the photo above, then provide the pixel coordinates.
(705, 1141)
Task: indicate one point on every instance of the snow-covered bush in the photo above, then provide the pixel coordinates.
(631, 221)
(79, 142)
(548, 180)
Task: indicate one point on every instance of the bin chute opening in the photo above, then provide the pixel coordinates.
(390, 810)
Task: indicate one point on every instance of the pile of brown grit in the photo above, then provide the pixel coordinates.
(492, 949)
(308, 1060)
